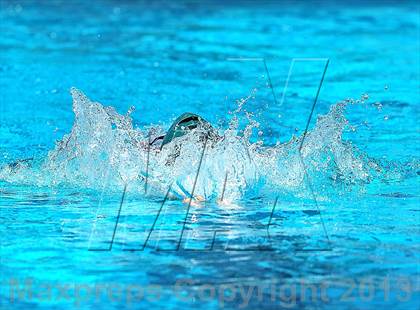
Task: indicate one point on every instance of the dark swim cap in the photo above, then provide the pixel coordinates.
(184, 123)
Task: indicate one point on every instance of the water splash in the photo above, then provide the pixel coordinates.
(103, 150)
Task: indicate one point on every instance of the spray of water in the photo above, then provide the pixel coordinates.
(104, 150)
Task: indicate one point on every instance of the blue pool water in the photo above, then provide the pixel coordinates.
(334, 225)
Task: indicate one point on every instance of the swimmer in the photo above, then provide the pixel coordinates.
(182, 125)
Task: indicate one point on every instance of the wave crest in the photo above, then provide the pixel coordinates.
(104, 150)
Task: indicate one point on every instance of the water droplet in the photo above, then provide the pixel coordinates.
(378, 105)
(386, 117)
(131, 109)
(386, 87)
(260, 133)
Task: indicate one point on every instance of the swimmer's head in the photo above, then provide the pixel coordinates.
(184, 124)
